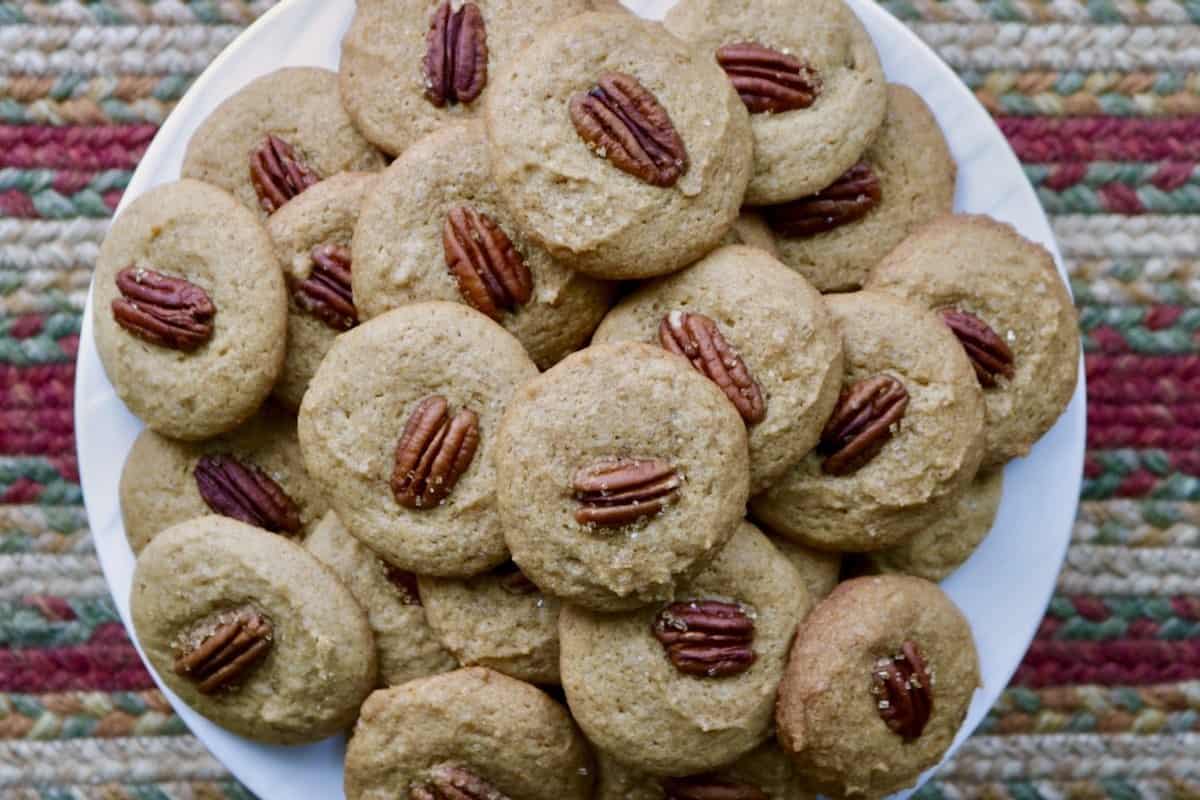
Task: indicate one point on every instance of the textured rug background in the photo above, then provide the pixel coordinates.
(1100, 99)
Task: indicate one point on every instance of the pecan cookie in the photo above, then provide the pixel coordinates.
(254, 474)
(619, 472)
(472, 733)
(251, 631)
(906, 431)
(276, 137)
(903, 180)
(877, 686)
(406, 646)
(757, 330)
(819, 569)
(410, 66)
(766, 773)
(190, 314)
(312, 241)
(809, 76)
(627, 160)
(1002, 296)
(751, 229)
(684, 687)
(434, 229)
(399, 426)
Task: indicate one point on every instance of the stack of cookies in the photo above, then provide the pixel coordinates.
(545, 346)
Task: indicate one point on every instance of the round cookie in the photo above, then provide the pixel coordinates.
(300, 657)
(365, 398)
(400, 256)
(777, 324)
(383, 78)
(159, 485)
(499, 620)
(933, 450)
(191, 244)
(300, 106)
(978, 265)
(916, 174)
(819, 570)
(407, 647)
(801, 150)
(751, 229)
(831, 707)
(570, 196)
(767, 769)
(632, 700)
(621, 471)
(315, 227)
(505, 737)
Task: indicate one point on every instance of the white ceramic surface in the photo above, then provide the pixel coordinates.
(1004, 587)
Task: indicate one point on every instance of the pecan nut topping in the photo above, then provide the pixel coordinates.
(456, 55)
(861, 423)
(903, 689)
(698, 339)
(989, 354)
(162, 309)
(405, 583)
(491, 274)
(326, 292)
(710, 787)
(434, 451)
(245, 493)
(220, 656)
(846, 200)
(513, 580)
(456, 783)
(706, 638)
(768, 80)
(617, 491)
(278, 173)
(621, 120)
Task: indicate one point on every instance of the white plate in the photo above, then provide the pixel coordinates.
(1003, 589)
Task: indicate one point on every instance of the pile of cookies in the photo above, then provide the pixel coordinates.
(545, 346)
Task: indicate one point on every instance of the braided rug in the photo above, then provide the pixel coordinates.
(1101, 101)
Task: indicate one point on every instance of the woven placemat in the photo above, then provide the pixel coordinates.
(1101, 101)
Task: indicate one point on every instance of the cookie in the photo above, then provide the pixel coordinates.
(1022, 315)
(474, 730)
(765, 773)
(499, 620)
(397, 89)
(904, 180)
(819, 570)
(189, 310)
(251, 631)
(620, 472)
(941, 548)
(686, 687)
(609, 209)
(907, 431)
(406, 646)
(878, 684)
(751, 229)
(825, 97)
(312, 242)
(738, 304)
(165, 481)
(434, 229)
(275, 137)
(399, 428)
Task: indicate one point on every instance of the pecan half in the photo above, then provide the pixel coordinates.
(405, 583)
(904, 691)
(456, 783)
(456, 55)
(768, 80)
(846, 200)
(326, 292)
(434, 451)
(277, 173)
(989, 354)
(617, 491)
(513, 580)
(621, 120)
(707, 638)
(861, 423)
(710, 787)
(491, 274)
(163, 310)
(222, 656)
(246, 493)
(698, 339)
